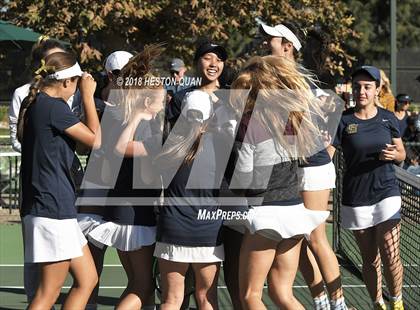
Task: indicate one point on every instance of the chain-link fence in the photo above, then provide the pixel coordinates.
(345, 245)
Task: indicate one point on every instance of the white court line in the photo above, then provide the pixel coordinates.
(119, 265)
(220, 286)
(21, 265)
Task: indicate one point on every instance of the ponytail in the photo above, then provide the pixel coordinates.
(51, 64)
(30, 99)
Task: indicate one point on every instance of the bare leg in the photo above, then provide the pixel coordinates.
(282, 275)
(85, 279)
(320, 247)
(388, 240)
(366, 241)
(173, 278)
(232, 242)
(98, 257)
(257, 255)
(53, 276)
(206, 276)
(138, 266)
(310, 271)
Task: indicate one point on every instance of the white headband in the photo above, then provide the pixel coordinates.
(66, 73)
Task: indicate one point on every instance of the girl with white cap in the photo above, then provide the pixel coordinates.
(48, 131)
(267, 171)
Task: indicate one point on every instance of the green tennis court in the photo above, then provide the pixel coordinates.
(113, 279)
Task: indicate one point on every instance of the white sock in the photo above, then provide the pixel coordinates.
(380, 301)
(322, 303)
(395, 299)
(339, 304)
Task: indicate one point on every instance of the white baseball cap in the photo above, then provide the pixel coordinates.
(282, 31)
(117, 60)
(198, 100)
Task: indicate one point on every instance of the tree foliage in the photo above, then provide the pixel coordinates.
(95, 28)
(373, 26)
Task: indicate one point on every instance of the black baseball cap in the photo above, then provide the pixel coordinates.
(403, 98)
(211, 48)
(372, 71)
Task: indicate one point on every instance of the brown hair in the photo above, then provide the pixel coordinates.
(51, 64)
(184, 142)
(139, 68)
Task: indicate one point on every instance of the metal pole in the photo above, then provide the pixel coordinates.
(394, 46)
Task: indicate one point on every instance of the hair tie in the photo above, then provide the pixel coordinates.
(44, 68)
(43, 38)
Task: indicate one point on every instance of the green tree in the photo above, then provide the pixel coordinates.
(373, 26)
(95, 28)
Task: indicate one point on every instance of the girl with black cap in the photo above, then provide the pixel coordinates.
(402, 102)
(370, 139)
(209, 62)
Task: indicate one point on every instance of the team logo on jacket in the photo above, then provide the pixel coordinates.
(351, 128)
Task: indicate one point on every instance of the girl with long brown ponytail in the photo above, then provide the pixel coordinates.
(48, 132)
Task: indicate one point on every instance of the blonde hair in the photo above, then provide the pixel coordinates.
(385, 84)
(139, 68)
(281, 87)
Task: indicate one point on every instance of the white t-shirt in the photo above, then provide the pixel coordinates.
(18, 96)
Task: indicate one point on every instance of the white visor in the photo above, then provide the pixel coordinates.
(319, 92)
(282, 31)
(66, 73)
(198, 100)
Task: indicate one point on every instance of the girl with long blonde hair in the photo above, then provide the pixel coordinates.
(275, 131)
(385, 98)
(130, 225)
(187, 163)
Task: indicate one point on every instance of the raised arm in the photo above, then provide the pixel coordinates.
(125, 145)
(89, 132)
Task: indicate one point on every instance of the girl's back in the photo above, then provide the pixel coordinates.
(47, 156)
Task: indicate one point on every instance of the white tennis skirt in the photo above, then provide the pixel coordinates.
(189, 254)
(363, 217)
(52, 240)
(280, 222)
(87, 223)
(124, 237)
(316, 178)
